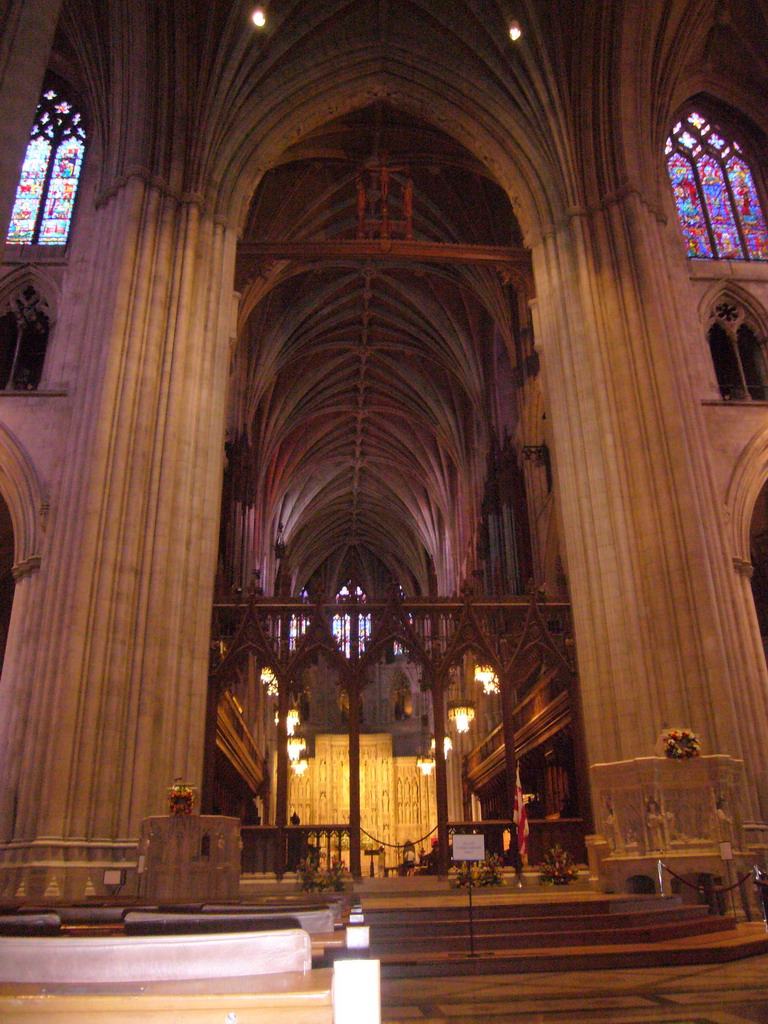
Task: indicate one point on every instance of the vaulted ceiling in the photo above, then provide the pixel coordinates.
(371, 375)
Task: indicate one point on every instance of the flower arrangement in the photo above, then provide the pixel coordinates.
(311, 877)
(478, 873)
(557, 867)
(680, 744)
(181, 798)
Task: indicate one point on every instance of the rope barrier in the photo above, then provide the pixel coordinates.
(396, 846)
(703, 889)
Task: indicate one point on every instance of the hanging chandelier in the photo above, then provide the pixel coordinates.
(447, 745)
(425, 763)
(296, 744)
(300, 765)
(291, 721)
(461, 713)
(269, 680)
(484, 674)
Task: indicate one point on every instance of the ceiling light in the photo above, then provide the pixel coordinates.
(461, 713)
(515, 31)
(426, 764)
(291, 721)
(296, 744)
(484, 674)
(259, 18)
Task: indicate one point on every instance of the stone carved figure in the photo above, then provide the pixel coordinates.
(654, 822)
(725, 830)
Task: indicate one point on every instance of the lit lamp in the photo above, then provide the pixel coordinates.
(296, 744)
(291, 721)
(484, 674)
(447, 745)
(268, 679)
(259, 18)
(300, 765)
(425, 763)
(461, 713)
(515, 32)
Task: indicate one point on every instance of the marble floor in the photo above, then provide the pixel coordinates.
(735, 993)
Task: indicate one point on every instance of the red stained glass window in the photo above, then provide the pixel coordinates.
(717, 202)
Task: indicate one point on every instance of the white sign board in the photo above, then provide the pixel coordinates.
(468, 847)
(726, 851)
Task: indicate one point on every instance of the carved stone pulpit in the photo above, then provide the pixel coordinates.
(189, 858)
(686, 813)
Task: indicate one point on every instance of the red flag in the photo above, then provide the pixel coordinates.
(520, 817)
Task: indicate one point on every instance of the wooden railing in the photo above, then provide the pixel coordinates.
(261, 843)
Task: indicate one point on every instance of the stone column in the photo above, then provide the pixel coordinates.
(654, 597)
(115, 694)
(26, 35)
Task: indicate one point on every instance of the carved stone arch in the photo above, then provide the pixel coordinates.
(747, 480)
(535, 189)
(748, 309)
(40, 279)
(22, 490)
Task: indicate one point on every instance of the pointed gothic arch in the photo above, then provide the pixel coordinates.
(737, 333)
(27, 504)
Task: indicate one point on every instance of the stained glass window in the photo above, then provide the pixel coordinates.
(45, 198)
(715, 194)
(342, 624)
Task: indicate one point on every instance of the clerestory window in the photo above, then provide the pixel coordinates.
(45, 198)
(715, 192)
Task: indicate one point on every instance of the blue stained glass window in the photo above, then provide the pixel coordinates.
(719, 209)
(689, 208)
(748, 208)
(45, 198)
(30, 190)
(717, 202)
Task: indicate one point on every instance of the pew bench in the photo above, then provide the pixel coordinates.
(257, 976)
(253, 977)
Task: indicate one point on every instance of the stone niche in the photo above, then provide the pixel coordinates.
(685, 813)
(189, 858)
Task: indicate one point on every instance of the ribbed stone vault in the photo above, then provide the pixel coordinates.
(367, 390)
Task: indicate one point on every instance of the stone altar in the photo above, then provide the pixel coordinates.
(189, 858)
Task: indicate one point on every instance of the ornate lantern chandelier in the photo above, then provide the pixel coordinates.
(269, 680)
(484, 674)
(291, 721)
(300, 765)
(425, 763)
(447, 745)
(296, 744)
(461, 713)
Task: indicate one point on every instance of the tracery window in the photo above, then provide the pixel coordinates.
(24, 329)
(715, 193)
(738, 354)
(45, 198)
(342, 624)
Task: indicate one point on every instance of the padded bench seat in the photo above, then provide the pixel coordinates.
(258, 976)
(122, 959)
